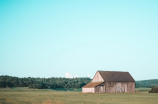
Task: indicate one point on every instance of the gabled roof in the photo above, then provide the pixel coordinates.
(92, 84)
(116, 76)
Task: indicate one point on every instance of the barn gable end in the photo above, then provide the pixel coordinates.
(97, 77)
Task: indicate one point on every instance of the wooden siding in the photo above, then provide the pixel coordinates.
(88, 90)
(119, 86)
(100, 89)
(97, 77)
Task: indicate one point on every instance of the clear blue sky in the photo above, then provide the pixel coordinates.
(41, 38)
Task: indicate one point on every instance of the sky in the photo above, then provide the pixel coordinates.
(76, 38)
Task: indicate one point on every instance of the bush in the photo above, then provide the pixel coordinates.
(154, 90)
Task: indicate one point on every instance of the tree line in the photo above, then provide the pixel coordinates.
(147, 83)
(43, 83)
(53, 82)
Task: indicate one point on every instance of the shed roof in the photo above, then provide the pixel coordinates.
(92, 84)
(116, 76)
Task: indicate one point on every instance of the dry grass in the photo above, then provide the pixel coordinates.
(54, 102)
(36, 96)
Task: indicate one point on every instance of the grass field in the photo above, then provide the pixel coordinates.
(70, 96)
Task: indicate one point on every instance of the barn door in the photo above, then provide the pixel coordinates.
(102, 88)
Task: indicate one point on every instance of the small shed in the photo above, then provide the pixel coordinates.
(110, 82)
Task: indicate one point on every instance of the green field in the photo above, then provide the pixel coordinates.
(73, 96)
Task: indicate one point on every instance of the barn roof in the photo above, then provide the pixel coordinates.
(116, 76)
(92, 84)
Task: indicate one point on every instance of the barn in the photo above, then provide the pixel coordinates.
(110, 82)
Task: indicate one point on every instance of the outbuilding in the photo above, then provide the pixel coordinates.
(110, 82)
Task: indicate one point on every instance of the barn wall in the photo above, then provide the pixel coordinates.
(88, 90)
(120, 86)
(97, 78)
(131, 87)
(99, 89)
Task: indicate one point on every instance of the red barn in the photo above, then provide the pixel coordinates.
(110, 82)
